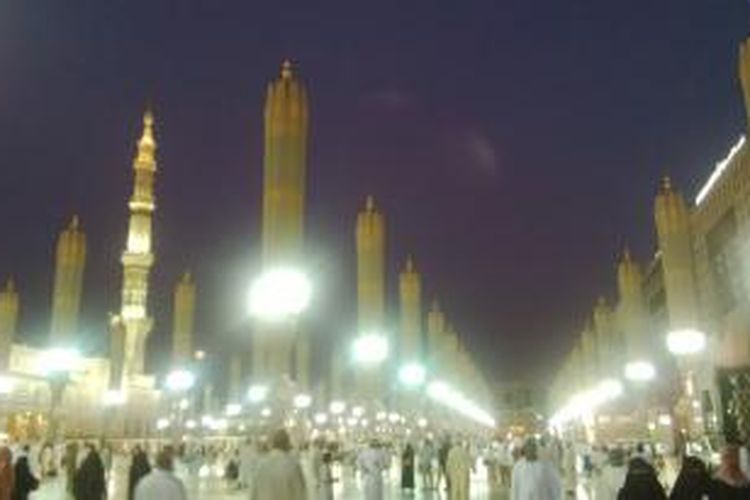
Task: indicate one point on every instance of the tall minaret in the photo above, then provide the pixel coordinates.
(284, 168)
(9, 306)
(673, 230)
(370, 236)
(410, 292)
(138, 257)
(607, 339)
(631, 311)
(435, 333)
(70, 261)
(370, 239)
(744, 70)
(590, 355)
(184, 320)
(286, 119)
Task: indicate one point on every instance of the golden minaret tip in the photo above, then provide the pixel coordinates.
(409, 264)
(286, 69)
(10, 285)
(187, 276)
(74, 222)
(369, 203)
(666, 184)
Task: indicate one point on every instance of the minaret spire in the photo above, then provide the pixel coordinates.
(138, 256)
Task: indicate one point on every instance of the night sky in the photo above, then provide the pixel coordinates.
(514, 147)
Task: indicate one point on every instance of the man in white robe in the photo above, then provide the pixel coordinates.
(248, 459)
(161, 483)
(534, 479)
(371, 463)
(279, 474)
(458, 468)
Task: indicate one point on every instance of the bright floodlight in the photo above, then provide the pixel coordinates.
(684, 342)
(280, 293)
(7, 384)
(59, 360)
(302, 401)
(266, 412)
(257, 393)
(338, 407)
(640, 371)
(114, 398)
(321, 418)
(162, 423)
(412, 375)
(370, 349)
(358, 411)
(180, 380)
(233, 409)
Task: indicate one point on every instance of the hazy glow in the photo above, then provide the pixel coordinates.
(582, 405)
(338, 407)
(422, 423)
(59, 360)
(180, 380)
(162, 423)
(684, 342)
(191, 424)
(233, 409)
(7, 384)
(114, 398)
(358, 411)
(370, 349)
(302, 401)
(442, 393)
(266, 412)
(665, 420)
(320, 418)
(257, 393)
(280, 293)
(640, 371)
(412, 375)
(718, 171)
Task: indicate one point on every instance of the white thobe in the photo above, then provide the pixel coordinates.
(248, 458)
(372, 462)
(458, 467)
(160, 484)
(608, 484)
(570, 474)
(537, 480)
(278, 477)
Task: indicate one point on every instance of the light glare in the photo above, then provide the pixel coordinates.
(370, 349)
(640, 371)
(280, 293)
(685, 342)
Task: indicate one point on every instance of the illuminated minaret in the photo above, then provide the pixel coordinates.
(631, 311)
(607, 339)
(410, 292)
(70, 261)
(284, 168)
(435, 333)
(138, 257)
(286, 119)
(673, 230)
(370, 235)
(183, 322)
(744, 70)
(590, 355)
(9, 306)
(370, 239)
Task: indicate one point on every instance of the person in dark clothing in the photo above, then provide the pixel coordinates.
(443, 462)
(641, 482)
(693, 482)
(26, 482)
(407, 468)
(730, 482)
(90, 482)
(139, 467)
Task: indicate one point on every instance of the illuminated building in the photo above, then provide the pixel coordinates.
(70, 262)
(9, 307)
(184, 319)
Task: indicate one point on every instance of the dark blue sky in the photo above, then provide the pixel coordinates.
(514, 146)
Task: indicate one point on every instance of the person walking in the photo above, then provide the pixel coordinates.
(7, 478)
(612, 476)
(458, 469)
(248, 458)
(90, 482)
(139, 468)
(693, 481)
(371, 463)
(25, 481)
(729, 482)
(534, 479)
(279, 474)
(407, 468)
(641, 482)
(426, 465)
(161, 483)
(570, 471)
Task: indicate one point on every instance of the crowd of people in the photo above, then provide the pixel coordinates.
(271, 468)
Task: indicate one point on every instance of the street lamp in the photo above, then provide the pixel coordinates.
(640, 371)
(686, 342)
(279, 294)
(180, 381)
(257, 393)
(302, 401)
(412, 375)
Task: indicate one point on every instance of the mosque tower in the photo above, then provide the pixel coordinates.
(9, 307)
(744, 70)
(370, 239)
(286, 120)
(632, 310)
(183, 322)
(70, 262)
(435, 334)
(138, 256)
(607, 339)
(673, 230)
(410, 292)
